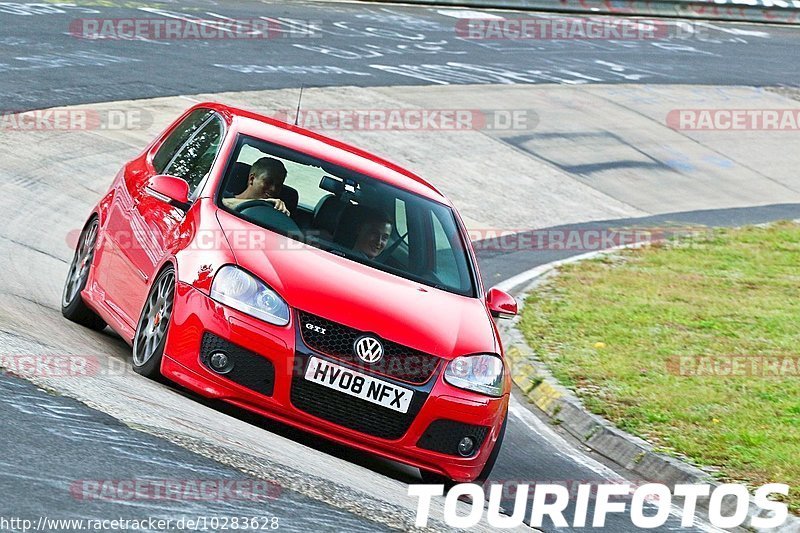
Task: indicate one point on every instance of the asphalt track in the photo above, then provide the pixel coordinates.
(351, 44)
(92, 445)
(45, 443)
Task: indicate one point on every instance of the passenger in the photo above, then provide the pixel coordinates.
(264, 182)
(373, 232)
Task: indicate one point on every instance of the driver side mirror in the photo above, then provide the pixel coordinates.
(501, 304)
(169, 189)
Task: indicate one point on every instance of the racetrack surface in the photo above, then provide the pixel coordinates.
(50, 179)
(352, 44)
(85, 446)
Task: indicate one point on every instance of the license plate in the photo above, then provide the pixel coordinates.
(359, 385)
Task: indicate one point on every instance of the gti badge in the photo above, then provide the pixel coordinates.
(315, 328)
(368, 349)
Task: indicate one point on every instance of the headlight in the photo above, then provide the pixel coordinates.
(236, 288)
(480, 373)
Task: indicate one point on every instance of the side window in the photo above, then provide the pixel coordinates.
(398, 244)
(446, 246)
(400, 222)
(195, 158)
(179, 135)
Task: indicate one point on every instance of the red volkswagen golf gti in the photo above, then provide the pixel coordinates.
(303, 279)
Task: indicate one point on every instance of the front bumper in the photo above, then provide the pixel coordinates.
(314, 408)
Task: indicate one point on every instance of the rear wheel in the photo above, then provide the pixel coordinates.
(151, 331)
(432, 478)
(72, 305)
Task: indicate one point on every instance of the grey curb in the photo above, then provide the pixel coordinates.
(565, 409)
(763, 11)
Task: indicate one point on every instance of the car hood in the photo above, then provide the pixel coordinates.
(350, 293)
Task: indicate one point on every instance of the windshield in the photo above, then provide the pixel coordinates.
(348, 214)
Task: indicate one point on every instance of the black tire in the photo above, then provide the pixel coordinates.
(153, 326)
(72, 305)
(432, 478)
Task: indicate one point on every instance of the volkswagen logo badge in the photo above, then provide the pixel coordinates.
(368, 349)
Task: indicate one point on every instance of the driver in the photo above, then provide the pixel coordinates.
(263, 183)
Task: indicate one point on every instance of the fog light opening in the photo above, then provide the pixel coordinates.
(220, 362)
(466, 446)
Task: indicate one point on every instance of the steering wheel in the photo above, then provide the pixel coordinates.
(264, 214)
(256, 203)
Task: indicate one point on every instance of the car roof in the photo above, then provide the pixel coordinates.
(325, 148)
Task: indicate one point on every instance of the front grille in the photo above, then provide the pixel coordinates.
(398, 362)
(443, 436)
(354, 413)
(249, 369)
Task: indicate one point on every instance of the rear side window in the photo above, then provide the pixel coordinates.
(178, 137)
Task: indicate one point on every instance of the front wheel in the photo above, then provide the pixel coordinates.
(151, 331)
(72, 305)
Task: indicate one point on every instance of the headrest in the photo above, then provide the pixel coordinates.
(327, 213)
(237, 183)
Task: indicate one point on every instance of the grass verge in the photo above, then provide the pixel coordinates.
(694, 347)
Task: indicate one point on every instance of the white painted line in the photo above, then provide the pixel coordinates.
(735, 31)
(468, 14)
(565, 449)
(528, 275)
(535, 425)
